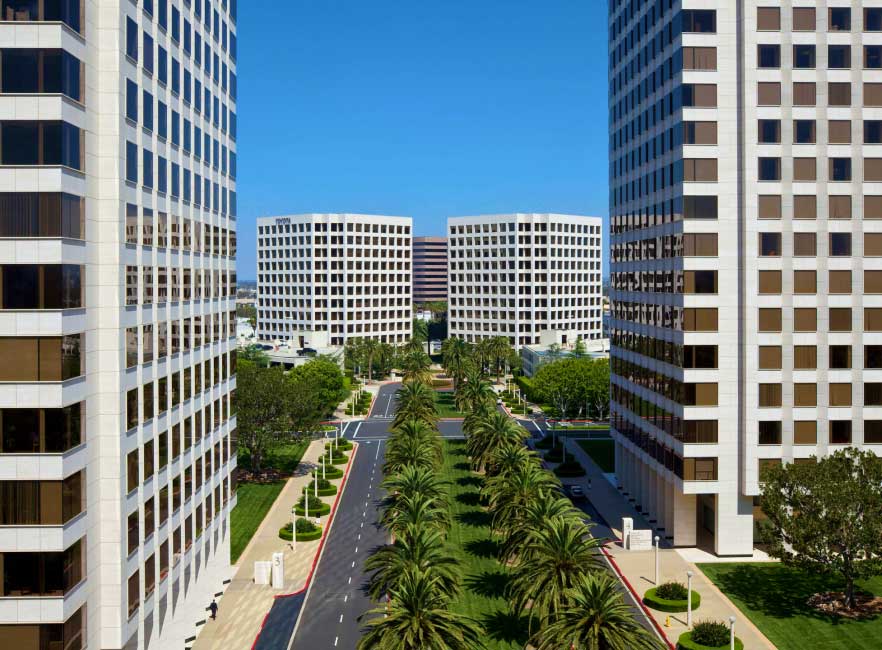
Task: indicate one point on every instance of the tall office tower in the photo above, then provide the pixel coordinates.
(345, 274)
(117, 255)
(429, 269)
(745, 203)
(518, 275)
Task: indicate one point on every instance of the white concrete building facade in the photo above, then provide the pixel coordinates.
(516, 275)
(745, 203)
(345, 274)
(117, 319)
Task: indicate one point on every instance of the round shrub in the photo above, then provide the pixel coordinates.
(325, 488)
(342, 445)
(335, 458)
(671, 591)
(317, 507)
(687, 641)
(651, 599)
(331, 472)
(569, 469)
(306, 531)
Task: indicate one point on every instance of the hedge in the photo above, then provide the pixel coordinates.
(325, 509)
(525, 385)
(670, 606)
(322, 492)
(685, 642)
(338, 459)
(331, 472)
(342, 444)
(285, 533)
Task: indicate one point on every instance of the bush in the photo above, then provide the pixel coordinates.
(331, 472)
(317, 507)
(651, 599)
(306, 531)
(671, 591)
(687, 640)
(325, 488)
(712, 633)
(569, 469)
(342, 445)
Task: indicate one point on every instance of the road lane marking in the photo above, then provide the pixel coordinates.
(345, 598)
(341, 618)
(377, 456)
(388, 404)
(359, 536)
(353, 564)
(356, 549)
(350, 580)
(362, 525)
(336, 638)
(357, 427)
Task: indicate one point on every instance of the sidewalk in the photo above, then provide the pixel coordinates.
(244, 605)
(343, 412)
(638, 567)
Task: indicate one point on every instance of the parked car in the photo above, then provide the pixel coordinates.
(575, 492)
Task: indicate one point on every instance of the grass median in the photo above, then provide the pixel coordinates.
(446, 406)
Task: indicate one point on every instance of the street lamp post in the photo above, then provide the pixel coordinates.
(656, 560)
(316, 485)
(731, 633)
(323, 466)
(293, 528)
(689, 599)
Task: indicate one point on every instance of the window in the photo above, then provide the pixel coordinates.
(769, 206)
(41, 286)
(839, 131)
(840, 430)
(770, 244)
(162, 64)
(699, 356)
(872, 94)
(805, 432)
(872, 131)
(805, 319)
(699, 20)
(839, 94)
(872, 394)
(768, 93)
(805, 206)
(40, 143)
(805, 357)
(701, 394)
(698, 170)
(768, 19)
(803, 56)
(769, 319)
(699, 133)
(873, 169)
(873, 19)
(770, 282)
(873, 357)
(872, 432)
(804, 19)
(838, 56)
(872, 244)
(699, 95)
(769, 395)
(768, 56)
(769, 358)
(147, 103)
(700, 319)
(148, 53)
(699, 207)
(805, 169)
(840, 206)
(131, 39)
(805, 282)
(804, 93)
(32, 430)
(840, 319)
(162, 117)
(770, 169)
(769, 131)
(147, 172)
(839, 19)
(872, 206)
(839, 282)
(873, 56)
(804, 131)
(840, 169)
(700, 245)
(700, 282)
(804, 244)
(131, 162)
(840, 357)
(872, 281)
(840, 244)
(699, 58)
(131, 100)
(770, 432)
(805, 395)
(33, 71)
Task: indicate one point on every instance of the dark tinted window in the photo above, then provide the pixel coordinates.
(131, 162)
(838, 56)
(131, 100)
(770, 433)
(769, 56)
(31, 214)
(840, 169)
(699, 20)
(873, 131)
(840, 244)
(40, 143)
(873, 56)
(803, 56)
(840, 19)
(804, 131)
(131, 39)
(148, 110)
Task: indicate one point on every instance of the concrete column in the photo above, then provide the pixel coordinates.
(684, 518)
(619, 467)
(644, 487)
(628, 462)
(661, 498)
(669, 510)
(733, 525)
(652, 494)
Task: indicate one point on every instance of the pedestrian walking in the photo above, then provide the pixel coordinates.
(213, 609)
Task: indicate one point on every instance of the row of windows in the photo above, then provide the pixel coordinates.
(48, 358)
(46, 575)
(334, 226)
(165, 230)
(805, 56)
(42, 503)
(805, 432)
(41, 286)
(32, 71)
(276, 247)
(41, 143)
(41, 431)
(169, 392)
(180, 335)
(805, 357)
(26, 215)
(69, 12)
(69, 635)
(174, 284)
(522, 227)
(768, 19)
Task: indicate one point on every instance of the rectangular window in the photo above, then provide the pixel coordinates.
(699, 58)
(770, 244)
(699, 95)
(131, 162)
(873, 19)
(804, 93)
(873, 56)
(131, 39)
(769, 206)
(839, 94)
(769, 319)
(770, 282)
(840, 357)
(769, 169)
(804, 19)
(872, 432)
(769, 131)
(805, 319)
(770, 359)
(840, 169)
(768, 93)
(840, 432)
(768, 56)
(805, 432)
(768, 19)
(804, 244)
(701, 170)
(804, 131)
(700, 319)
(805, 357)
(838, 56)
(839, 282)
(839, 131)
(770, 432)
(805, 206)
(840, 319)
(805, 282)
(872, 244)
(839, 19)
(697, 21)
(872, 394)
(840, 206)
(804, 56)
(805, 395)
(700, 244)
(769, 395)
(840, 244)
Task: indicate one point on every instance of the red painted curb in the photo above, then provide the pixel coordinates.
(321, 545)
(637, 598)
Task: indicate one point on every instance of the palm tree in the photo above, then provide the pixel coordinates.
(416, 510)
(595, 617)
(507, 458)
(371, 349)
(500, 351)
(416, 401)
(482, 355)
(412, 479)
(509, 495)
(456, 355)
(415, 366)
(554, 560)
(491, 433)
(417, 451)
(534, 516)
(419, 617)
(473, 392)
(418, 548)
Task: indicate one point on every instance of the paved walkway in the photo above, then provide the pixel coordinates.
(245, 605)
(638, 567)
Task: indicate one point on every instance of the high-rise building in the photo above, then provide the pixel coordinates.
(117, 257)
(429, 270)
(745, 199)
(345, 274)
(518, 275)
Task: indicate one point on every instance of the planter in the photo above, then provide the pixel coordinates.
(306, 536)
(322, 492)
(342, 445)
(569, 469)
(331, 472)
(324, 510)
(685, 642)
(670, 606)
(340, 459)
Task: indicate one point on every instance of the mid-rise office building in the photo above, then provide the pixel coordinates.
(345, 274)
(745, 203)
(429, 270)
(517, 275)
(117, 318)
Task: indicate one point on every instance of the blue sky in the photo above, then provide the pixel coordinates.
(422, 109)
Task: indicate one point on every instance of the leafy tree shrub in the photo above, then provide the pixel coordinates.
(331, 472)
(317, 507)
(711, 633)
(653, 600)
(671, 591)
(306, 531)
(325, 488)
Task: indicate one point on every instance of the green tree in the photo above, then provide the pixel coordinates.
(509, 494)
(826, 517)
(496, 430)
(247, 310)
(325, 378)
(579, 349)
(416, 401)
(473, 393)
(595, 617)
(415, 366)
(418, 616)
(417, 510)
(573, 385)
(500, 353)
(305, 407)
(421, 332)
(457, 358)
(253, 354)
(262, 408)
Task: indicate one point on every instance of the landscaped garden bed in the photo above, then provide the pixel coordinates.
(307, 531)
(334, 457)
(670, 597)
(317, 507)
(325, 488)
(708, 635)
(331, 472)
(341, 445)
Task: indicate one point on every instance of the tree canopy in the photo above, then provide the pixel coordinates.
(574, 386)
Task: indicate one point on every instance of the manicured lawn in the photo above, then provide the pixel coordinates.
(484, 578)
(602, 452)
(255, 499)
(774, 598)
(446, 406)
